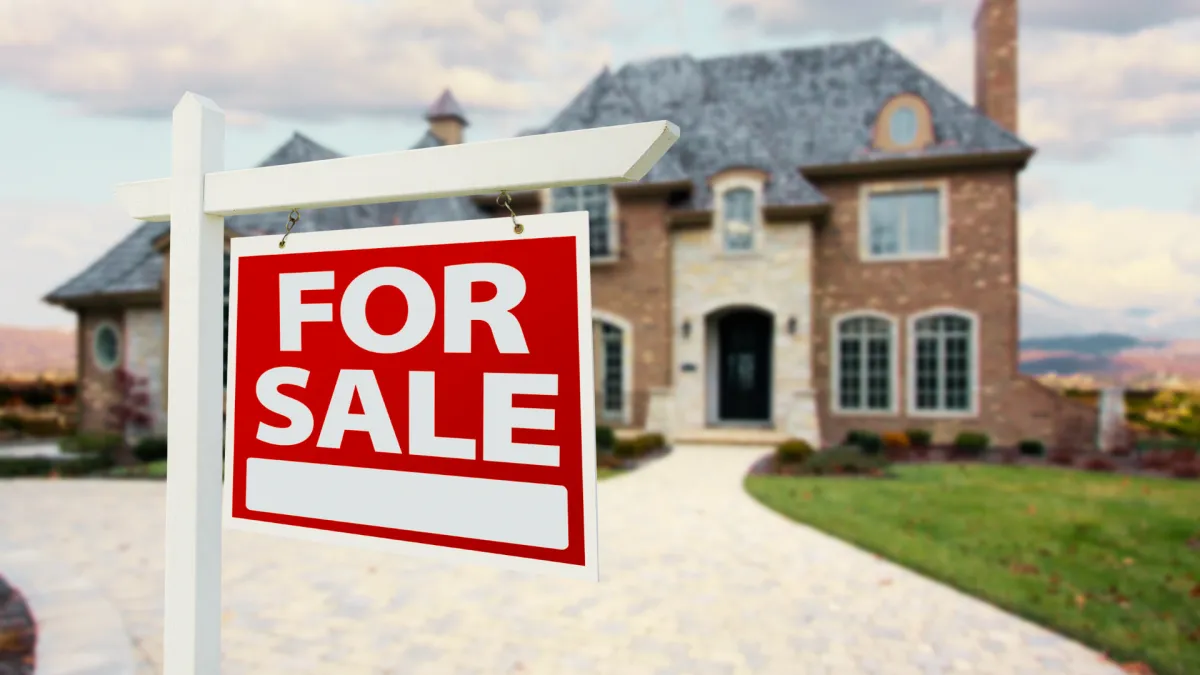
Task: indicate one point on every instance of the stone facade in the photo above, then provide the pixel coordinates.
(776, 278)
(144, 339)
(97, 384)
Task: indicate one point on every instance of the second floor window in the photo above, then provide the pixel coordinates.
(595, 200)
(738, 211)
(905, 224)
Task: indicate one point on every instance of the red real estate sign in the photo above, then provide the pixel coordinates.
(424, 388)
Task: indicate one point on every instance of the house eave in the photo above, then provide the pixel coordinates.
(1016, 159)
(107, 300)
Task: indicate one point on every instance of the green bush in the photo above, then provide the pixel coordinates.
(91, 443)
(793, 451)
(919, 438)
(43, 427)
(15, 467)
(626, 448)
(844, 460)
(649, 442)
(1031, 447)
(605, 438)
(971, 443)
(151, 449)
(868, 441)
(11, 423)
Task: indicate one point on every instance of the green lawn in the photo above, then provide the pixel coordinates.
(1109, 560)
(604, 472)
(149, 470)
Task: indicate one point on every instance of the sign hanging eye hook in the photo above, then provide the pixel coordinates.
(505, 200)
(293, 218)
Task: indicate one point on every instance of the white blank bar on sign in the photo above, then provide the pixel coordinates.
(531, 514)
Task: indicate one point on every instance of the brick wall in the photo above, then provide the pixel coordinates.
(979, 275)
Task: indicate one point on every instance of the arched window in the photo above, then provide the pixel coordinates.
(739, 217)
(612, 368)
(943, 362)
(864, 364)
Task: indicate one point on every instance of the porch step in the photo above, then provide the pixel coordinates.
(730, 436)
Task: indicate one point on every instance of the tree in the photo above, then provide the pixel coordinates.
(132, 409)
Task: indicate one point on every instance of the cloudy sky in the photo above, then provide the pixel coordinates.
(1110, 95)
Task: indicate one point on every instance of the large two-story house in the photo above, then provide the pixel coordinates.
(831, 245)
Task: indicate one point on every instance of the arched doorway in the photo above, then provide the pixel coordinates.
(739, 365)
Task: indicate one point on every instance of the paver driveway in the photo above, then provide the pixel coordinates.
(696, 577)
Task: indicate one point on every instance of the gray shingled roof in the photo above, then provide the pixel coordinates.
(135, 266)
(446, 106)
(778, 111)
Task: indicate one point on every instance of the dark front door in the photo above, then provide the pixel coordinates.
(744, 375)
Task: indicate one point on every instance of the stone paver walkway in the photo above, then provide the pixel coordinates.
(696, 578)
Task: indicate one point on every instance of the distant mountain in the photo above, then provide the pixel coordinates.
(31, 351)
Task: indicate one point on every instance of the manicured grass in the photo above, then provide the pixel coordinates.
(605, 472)
(149, 470)
(1112, 561)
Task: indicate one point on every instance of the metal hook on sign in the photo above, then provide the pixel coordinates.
(293, 218)
(505, 200)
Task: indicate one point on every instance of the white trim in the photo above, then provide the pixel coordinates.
(484, 230)
(942, 187)
(615, 154)
(835, 368)
(120, 357)
(734, 181)
(911, 364)
(626, 362)
(614, 224)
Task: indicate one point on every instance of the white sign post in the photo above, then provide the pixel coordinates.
(197, 197)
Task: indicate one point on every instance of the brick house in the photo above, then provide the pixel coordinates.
(831, 245)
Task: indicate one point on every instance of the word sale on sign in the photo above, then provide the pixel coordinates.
(425, 389)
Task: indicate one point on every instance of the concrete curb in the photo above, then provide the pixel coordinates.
(79, 630)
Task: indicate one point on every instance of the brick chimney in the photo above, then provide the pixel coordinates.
(996, 61)
(446, 119)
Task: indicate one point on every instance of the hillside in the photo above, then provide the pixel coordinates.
(26, 352)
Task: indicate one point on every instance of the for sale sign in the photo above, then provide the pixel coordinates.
(425, 389)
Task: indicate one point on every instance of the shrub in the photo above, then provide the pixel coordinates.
(1188, 469)
(1156, 460)
(1099, 462)
(91, 443)
(11, 423)
(605, 438)
(43, 426)
(845, 460)
(919, 438)
(971, 443)
(626, 449)
(608, 461)
(867, 441)
(1031, 447)
(14, 467)
(793, 451)
(151, 449)
(650, 442)
(1061, 456)
(895, 439)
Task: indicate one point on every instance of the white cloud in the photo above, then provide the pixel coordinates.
(1112, 259)
(1109, 16)
(45, 244)
(1082, 91)
(317, 58)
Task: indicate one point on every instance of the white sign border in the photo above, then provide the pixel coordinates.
(571, 224)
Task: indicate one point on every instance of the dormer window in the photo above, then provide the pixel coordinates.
(738, 219)
(904, 123)
(597, 201)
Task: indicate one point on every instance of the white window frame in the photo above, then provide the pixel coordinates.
(972, 371)
(733, 181)
(626, 328)
(120, 358)
(614, 225)
(835, 369)
(942, 187)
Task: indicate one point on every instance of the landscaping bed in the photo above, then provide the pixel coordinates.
(615, 456)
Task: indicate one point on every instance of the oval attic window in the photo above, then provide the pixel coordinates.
(106, 346)
(902, 127)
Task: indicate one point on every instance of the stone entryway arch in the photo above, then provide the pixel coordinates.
(739, 363)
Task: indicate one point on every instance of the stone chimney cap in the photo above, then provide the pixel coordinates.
(446, 106)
